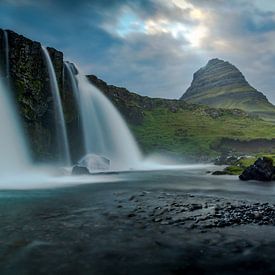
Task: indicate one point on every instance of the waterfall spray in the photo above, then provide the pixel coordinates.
(61, 127)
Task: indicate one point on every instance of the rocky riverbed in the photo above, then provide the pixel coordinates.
(196, 211)
(145, 226)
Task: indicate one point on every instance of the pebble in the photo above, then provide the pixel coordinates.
(131, 198)
(131, 215)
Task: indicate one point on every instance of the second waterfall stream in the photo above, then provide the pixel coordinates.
(62, 136)
(104, 130)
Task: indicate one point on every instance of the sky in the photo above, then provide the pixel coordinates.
(153, 47)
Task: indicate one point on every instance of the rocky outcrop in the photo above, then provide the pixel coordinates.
(220, 84)
(29, 80)
(80, 170)
(94, 163)
(262, 170)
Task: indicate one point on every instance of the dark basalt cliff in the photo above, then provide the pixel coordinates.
(221, 85)
(27, 74)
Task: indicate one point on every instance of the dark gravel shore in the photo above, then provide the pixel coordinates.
(197, 211)
(130, 228)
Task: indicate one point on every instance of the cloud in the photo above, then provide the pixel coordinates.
(153, 46)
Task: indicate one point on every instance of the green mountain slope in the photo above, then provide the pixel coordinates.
(221, 85)
(187, 129)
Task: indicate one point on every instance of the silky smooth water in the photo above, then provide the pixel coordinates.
(70, 69)
(13, 149)
(62, 136)
(104, 130)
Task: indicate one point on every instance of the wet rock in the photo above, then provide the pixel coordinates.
(95, 163)
(257, 215)
(261, 170)
(195, 206)
(219, 173)
(164, 223)
(80, 170)
(131, 198)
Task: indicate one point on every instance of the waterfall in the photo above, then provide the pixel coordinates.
(60, 121)
(71, 70)
(6, 43)
(104, 130)
(14, 156)
(71, 73)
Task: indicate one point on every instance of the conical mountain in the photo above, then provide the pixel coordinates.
(220, 84)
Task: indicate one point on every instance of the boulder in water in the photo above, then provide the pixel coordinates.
(262, 170)
(80, 170)
(94, 163)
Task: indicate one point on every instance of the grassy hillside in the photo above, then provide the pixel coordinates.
(197, 133)
(185, 129)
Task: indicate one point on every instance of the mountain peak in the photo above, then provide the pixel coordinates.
(215, 75)
(214, 61)
(220, 84)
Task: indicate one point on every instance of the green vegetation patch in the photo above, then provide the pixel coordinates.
(196, 132)
(244, 163)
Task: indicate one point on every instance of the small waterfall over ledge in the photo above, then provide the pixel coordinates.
(62, 137)
(104, 130)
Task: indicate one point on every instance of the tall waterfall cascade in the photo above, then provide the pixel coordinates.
(104, 130)
(13, 148)
(62, 136)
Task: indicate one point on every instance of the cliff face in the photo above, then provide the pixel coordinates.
(221, 85)
(27, 74)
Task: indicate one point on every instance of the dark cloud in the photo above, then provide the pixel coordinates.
(158, 54)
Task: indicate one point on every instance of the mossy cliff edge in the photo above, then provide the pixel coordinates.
(29, 80)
